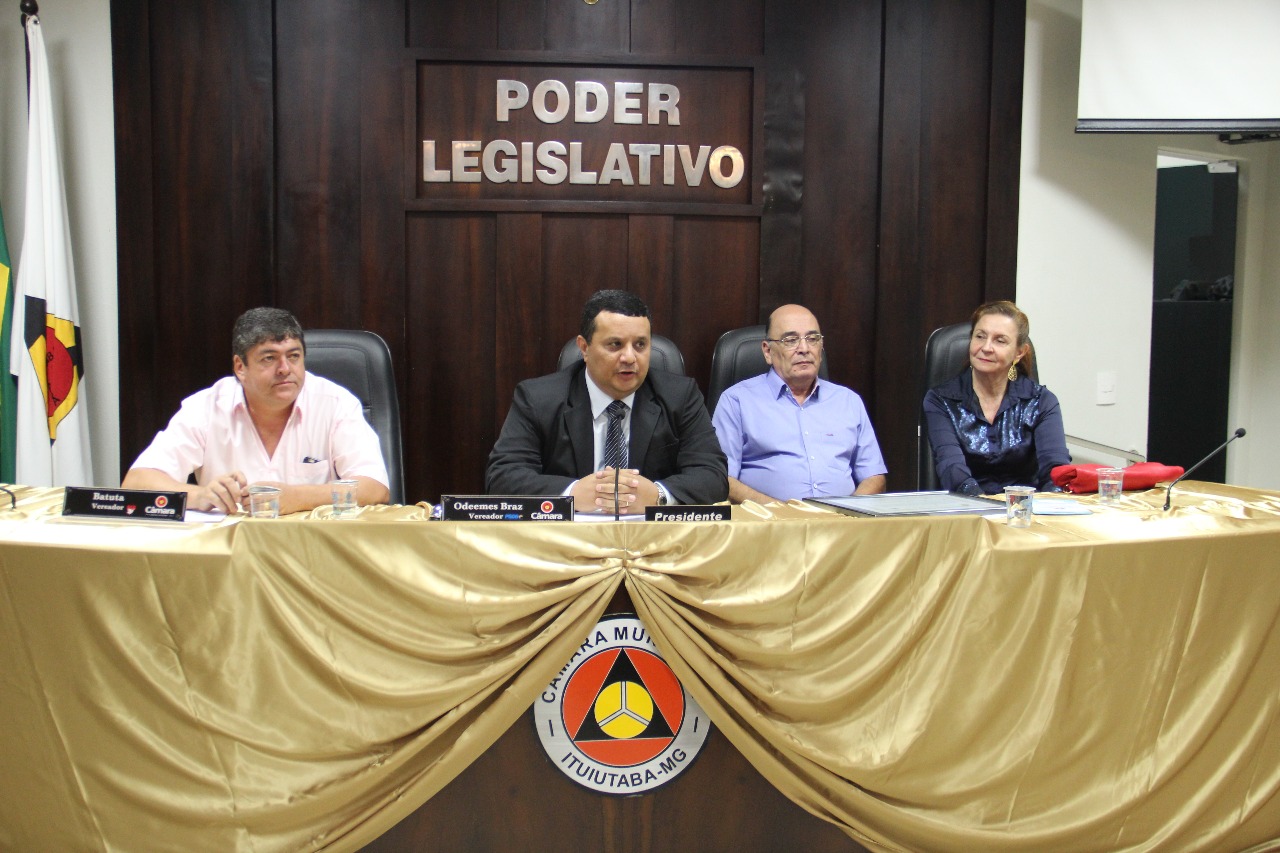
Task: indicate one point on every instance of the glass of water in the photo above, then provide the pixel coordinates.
(344, 498)
(1110, 485)
(264, 502)
(1018, 509)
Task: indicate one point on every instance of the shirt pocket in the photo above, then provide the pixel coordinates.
(314, 470)
(833, 448)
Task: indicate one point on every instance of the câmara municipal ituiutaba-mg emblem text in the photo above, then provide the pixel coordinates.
(616, 719)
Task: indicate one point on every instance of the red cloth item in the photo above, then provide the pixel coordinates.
(1082, 479)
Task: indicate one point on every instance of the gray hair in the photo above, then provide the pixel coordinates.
(258, 325)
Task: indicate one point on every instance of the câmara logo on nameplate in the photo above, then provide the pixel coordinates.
(616, 719)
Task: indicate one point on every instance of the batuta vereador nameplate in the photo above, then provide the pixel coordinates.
(124, 504)
(498, 508)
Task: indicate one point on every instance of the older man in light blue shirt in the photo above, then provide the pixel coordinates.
(786, 433)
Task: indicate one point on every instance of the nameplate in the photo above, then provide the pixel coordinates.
(124, 504)
(495, 508)
(690, 512)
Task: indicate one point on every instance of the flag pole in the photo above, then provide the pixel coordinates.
(30, 9)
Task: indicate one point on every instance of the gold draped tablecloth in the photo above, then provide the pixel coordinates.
(1095, 683)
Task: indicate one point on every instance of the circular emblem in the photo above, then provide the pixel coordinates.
(616, 719)
(547, 506)
(162, 501)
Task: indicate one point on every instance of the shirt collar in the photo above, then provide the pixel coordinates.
(1022, 388)
(599, 399)
(299, 402)
(780, 389)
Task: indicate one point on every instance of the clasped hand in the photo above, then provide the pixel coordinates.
(223, 493)
(595, 492)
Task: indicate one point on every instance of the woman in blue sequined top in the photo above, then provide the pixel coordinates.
(993, 426)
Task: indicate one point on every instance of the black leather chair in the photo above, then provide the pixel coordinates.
(361, 362)
(737, 356)
(663, 355)
(946, 353)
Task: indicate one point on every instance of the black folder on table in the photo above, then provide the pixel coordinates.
(910, 503)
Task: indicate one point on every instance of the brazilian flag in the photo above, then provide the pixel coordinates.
(8, 384)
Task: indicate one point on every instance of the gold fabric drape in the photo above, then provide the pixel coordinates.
(1103, 682)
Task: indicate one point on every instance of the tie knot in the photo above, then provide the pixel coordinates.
(617, 410)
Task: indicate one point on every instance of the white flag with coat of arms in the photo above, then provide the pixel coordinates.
(46, 353)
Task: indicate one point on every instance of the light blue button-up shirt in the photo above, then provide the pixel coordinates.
(787, 450)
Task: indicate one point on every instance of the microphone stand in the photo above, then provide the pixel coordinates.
(1168, 494)
(615, 495)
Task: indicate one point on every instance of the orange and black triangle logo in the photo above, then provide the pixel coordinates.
(623, 707)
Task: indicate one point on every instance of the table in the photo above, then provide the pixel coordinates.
(1100, 682)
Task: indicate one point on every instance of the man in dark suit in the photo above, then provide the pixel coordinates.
(565, 435)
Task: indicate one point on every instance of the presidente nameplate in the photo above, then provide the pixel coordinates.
(506, 508)
(689, 512)
(124, 504)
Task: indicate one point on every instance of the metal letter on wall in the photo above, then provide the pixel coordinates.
(492, 132)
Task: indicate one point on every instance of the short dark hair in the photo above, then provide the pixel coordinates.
(258, 325)
(614, 301)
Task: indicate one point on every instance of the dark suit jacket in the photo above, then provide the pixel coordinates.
(547, 440)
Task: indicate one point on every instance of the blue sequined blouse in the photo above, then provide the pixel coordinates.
(1022, 447)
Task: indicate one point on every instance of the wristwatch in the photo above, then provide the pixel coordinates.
(662, 497)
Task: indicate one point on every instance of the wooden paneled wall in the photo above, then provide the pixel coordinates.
(264, 149)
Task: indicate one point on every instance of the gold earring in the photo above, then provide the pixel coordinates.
(1013, 370)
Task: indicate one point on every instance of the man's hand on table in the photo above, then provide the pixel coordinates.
(594, 492)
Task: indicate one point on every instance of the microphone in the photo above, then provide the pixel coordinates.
(1168, 494)
(615, 494)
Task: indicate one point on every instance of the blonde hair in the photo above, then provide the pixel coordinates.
(1005, 308)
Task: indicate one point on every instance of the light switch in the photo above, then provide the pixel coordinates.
(1106, 388)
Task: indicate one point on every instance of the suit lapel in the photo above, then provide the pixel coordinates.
(644, 418)
(578, 425)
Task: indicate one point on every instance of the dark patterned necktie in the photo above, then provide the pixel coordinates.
(615, 445)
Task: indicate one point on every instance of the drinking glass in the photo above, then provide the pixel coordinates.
(264, 502)
(1018, 505)
(344, 498)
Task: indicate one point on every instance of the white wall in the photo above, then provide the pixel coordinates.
(1085, 258)
(77, 35)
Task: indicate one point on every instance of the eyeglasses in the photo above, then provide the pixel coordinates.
(792, 341)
